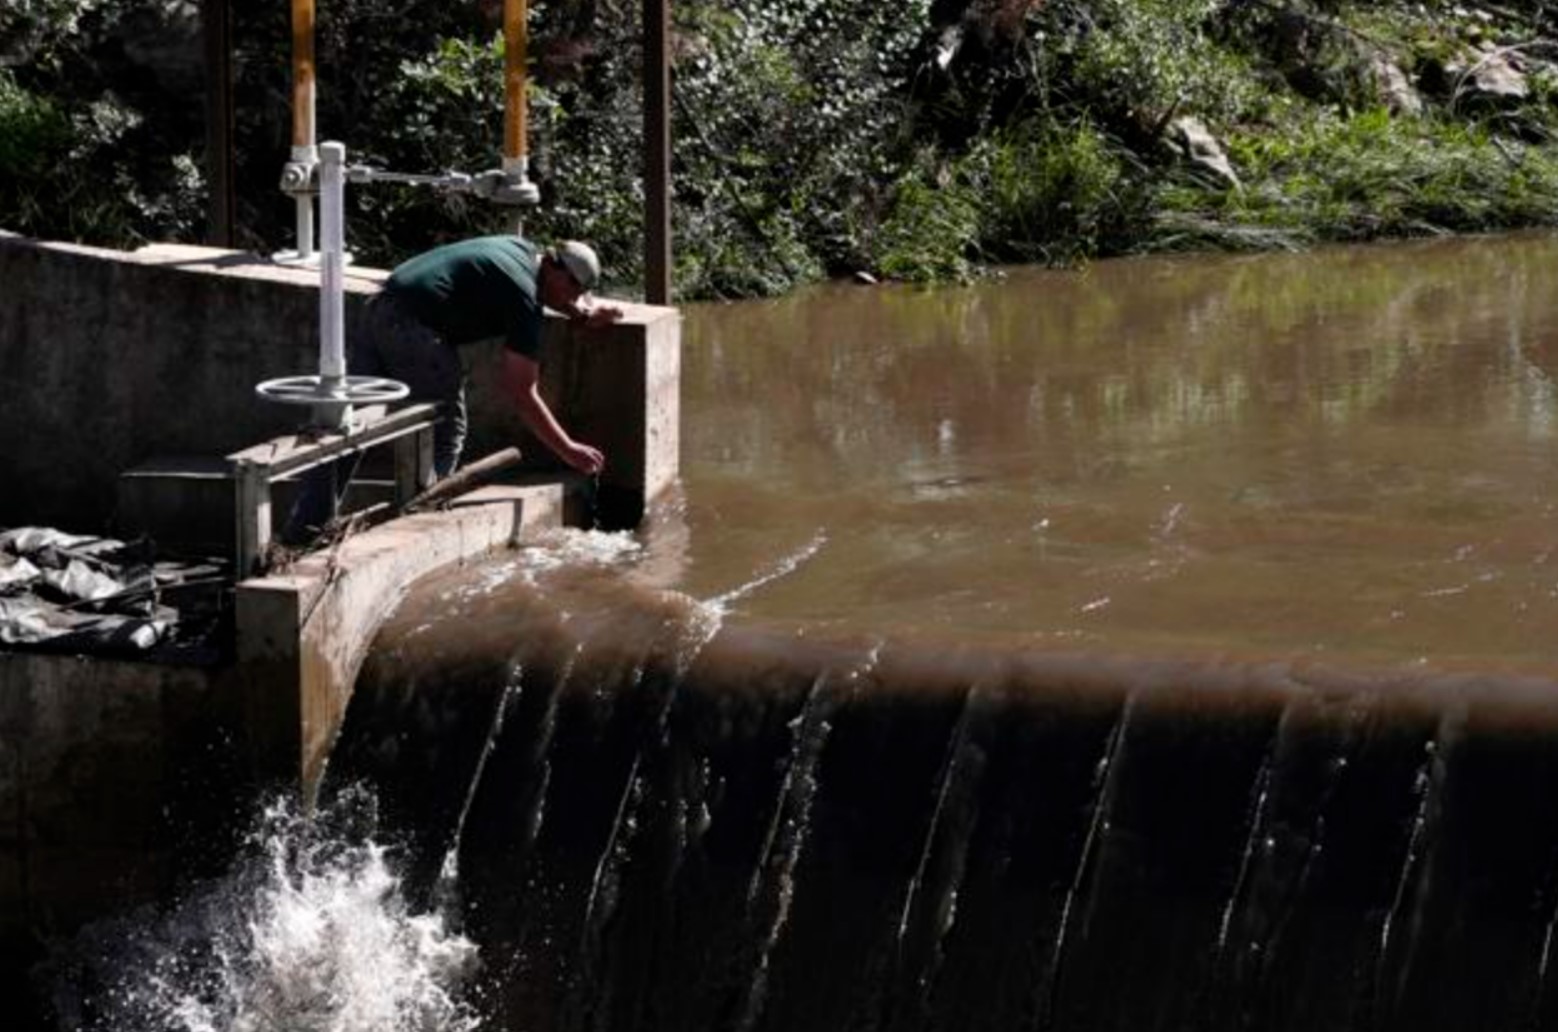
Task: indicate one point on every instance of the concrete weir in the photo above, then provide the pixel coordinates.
(310, 625)
(128, 377)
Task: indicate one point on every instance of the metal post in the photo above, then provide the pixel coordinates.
(516, 38)
(516, 190)
(221, 203)
(298, 174)
(302, 73)
(657, 152)
(332, 302)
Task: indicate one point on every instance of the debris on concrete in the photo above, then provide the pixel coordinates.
(90, 595)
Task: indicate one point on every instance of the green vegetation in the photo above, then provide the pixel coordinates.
(1365, 175)
(920, 140)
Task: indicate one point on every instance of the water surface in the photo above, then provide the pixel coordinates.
(1348, 452)
(799, 790)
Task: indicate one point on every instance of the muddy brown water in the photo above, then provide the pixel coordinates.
(1163, 645)
(1348, 452)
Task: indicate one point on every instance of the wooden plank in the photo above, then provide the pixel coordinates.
(466, 478)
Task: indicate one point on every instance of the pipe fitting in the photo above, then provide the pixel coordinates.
(297, 177)
(508, 188)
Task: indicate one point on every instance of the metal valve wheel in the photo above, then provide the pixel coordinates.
(346, 390)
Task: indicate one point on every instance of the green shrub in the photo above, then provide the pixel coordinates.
(1138, 61)
(931, 230)
(1047, 192)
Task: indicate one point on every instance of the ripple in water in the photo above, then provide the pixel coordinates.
(309, 932)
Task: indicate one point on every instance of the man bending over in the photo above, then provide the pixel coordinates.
(493, 287)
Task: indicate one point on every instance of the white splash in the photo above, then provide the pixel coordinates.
(783, 568)
(310, 933)
(580, 548)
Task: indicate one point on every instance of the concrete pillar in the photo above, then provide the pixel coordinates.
(617, 388)
(303, 633)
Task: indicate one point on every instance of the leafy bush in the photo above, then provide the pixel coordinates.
(1048, 192)
(33, 137)
(86, 152)
(1136, 62)
(931, 231)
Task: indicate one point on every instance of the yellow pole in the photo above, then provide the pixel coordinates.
(302, 73)
(516, 40)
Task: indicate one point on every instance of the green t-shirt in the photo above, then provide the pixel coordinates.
(475, 290)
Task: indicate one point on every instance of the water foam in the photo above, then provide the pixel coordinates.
(309, 932)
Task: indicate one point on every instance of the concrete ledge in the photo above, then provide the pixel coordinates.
(303, 633)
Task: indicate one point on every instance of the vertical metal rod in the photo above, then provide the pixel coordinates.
(516, 105)
(302, 73)
(303, 106)
(221, 202)
(305, 217)
(657, 152)
(332, 325)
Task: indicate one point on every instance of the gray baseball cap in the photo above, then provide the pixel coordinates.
(580, 261)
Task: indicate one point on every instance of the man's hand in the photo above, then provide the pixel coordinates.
(583, 458)
(596, 316)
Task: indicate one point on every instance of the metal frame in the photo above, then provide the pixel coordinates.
(512, 186)
(254, 469)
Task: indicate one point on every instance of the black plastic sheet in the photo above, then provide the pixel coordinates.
(86, 594)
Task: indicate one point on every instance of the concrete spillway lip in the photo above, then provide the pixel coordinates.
(302, 632)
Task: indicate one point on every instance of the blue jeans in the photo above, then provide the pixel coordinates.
(385, 340)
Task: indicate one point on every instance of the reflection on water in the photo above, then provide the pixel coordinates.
(1348, 451)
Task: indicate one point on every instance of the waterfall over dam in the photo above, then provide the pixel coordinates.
(1165, 645)
(1161, 646)
(647, 819)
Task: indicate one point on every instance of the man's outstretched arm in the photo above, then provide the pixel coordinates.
(521, 381)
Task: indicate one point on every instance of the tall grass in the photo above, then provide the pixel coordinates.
(1366, 175)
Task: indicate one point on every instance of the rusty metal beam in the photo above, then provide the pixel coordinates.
(657, 152)
(216, 19)
(516, 105)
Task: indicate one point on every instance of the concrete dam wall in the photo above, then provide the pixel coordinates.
(121, 779)
(110, 359)
(660, 821)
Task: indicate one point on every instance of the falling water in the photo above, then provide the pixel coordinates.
(449, 873)
(309, 932)
(1097, 831)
